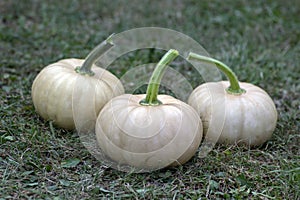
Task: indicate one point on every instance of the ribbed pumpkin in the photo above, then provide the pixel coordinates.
(148, 132)
(250, 115)
(53, 88)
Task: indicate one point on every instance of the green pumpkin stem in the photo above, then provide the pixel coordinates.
(86, 68)
(154, 83)
(234, 87)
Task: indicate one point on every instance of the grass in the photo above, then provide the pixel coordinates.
(258, 39)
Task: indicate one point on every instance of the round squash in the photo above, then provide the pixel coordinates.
(149, 131)
(250, 115)
(53, 88)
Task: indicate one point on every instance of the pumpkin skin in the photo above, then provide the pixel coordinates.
(148, 137)
(250, 118)
(52, 90)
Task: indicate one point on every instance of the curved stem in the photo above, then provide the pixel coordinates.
(234, 87)
(86, 68)
(154, 83)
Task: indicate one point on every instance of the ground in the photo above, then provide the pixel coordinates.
(258, 39)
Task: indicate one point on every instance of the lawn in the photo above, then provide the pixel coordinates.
(258, 39)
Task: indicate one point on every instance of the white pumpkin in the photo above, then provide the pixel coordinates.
(250, 118)
(74, 90)
(233, 112)
(53, 88)
(148, 137)
(150, 131)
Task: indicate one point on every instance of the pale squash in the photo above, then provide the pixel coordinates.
(149, 132)
(250, 114)
(53, 88)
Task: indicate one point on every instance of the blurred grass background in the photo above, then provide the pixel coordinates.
(258, 39)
